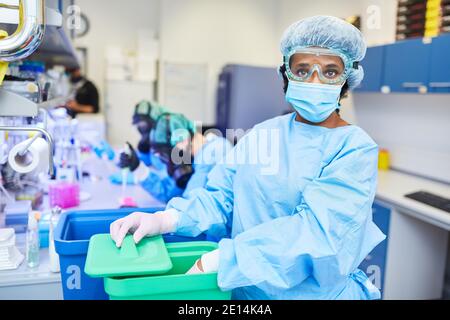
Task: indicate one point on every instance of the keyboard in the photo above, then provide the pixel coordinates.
(431, 200)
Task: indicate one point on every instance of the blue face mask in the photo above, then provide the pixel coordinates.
(314, 102)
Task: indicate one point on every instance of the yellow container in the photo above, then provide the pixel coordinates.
(383, 159)
(433, 4)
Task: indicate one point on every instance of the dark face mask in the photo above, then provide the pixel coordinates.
(181, 171)
(144, 145)
(144, 128)
(75, 79)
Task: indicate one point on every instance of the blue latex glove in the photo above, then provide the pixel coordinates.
(117, 178)
(104, 148)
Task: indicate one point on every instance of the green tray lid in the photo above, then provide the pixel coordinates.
(148, 257)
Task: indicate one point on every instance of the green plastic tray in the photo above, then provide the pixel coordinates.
(148, 257)
(175, 284)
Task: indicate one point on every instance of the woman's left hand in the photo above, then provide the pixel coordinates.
(209, 262)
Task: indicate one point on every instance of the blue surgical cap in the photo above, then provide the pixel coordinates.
(328, 32)
(180, 128)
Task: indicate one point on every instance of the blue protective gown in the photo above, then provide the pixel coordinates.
(146, 158)
(160, 185)
(298, 233)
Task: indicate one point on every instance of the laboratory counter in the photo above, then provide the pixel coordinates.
(417, 234)
(394, 185)
(40, 283)
(412, 260)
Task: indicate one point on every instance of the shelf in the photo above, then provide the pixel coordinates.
(52, 16)
(55, 48)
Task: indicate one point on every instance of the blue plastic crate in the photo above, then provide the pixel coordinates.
(72, 236)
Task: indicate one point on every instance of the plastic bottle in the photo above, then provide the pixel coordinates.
(54, 258)
(33, 245)
(383, 159)
(40, 76)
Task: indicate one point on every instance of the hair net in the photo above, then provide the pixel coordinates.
(328, 32)
(146, 110)
(180, 128)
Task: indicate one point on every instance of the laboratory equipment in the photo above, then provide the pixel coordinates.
(10, 256)
(32, 244)
(48, 218)
(64, 194)
(22, 43)
(148, 257)
(54, 258)
(16, 215)
(175, 284)
(72, 234)
(29, 33)
(125, 200)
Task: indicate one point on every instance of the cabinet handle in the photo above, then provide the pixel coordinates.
(415, 85)
(440, 84)
(412, 84)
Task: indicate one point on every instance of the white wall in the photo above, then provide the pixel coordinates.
(217, 32)
(379, 19)
(114, 22)
(293, 10)
(413, 127)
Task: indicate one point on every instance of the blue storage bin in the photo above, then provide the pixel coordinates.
(72, 235)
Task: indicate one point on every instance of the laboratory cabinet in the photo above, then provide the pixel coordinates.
(374, 265)
(439, 81)
(418, 65)
(407, 66)
(373, 70)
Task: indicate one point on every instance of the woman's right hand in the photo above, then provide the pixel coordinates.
(143, 224)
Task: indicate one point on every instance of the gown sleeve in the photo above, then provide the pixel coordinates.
(209, 208)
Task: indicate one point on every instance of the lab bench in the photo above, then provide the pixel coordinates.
(40, 283)
(410, 263)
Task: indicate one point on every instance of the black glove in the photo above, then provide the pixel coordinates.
(144, 145)
(130, 161)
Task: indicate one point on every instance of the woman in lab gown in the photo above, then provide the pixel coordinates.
(295, 194)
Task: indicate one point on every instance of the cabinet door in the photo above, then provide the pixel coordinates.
(407, 66)
(373, 70)
(440, 65)
(375, 263)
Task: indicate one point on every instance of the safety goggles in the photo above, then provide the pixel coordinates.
(332, 67)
